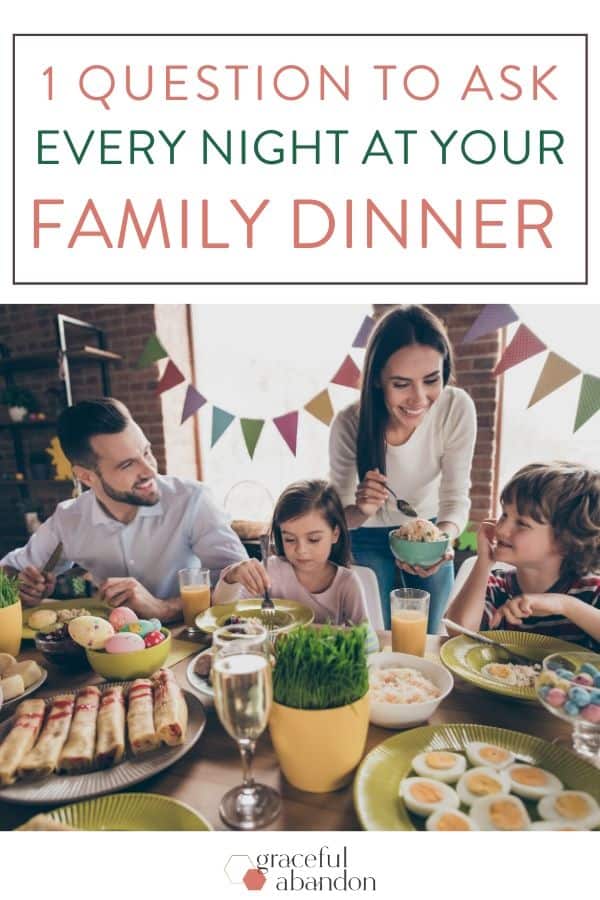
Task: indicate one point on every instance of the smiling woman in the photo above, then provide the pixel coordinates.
(413, 431)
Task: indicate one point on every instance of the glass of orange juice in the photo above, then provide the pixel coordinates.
(194, 590)
(410, 608)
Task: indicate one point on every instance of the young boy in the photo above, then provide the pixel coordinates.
(549, 534)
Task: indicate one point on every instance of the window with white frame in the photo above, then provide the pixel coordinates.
(544, 431)
(259, 362)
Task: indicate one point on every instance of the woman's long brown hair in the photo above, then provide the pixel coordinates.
(399, 328)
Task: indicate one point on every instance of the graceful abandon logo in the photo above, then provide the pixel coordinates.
(322, 870)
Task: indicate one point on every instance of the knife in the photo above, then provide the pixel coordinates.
(54, 558)
(519, 658)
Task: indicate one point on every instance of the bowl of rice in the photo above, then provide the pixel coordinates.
(405, 690)
(418, 543)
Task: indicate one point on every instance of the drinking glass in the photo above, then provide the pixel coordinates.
(194, 590)
(241, 676)
(409, 608)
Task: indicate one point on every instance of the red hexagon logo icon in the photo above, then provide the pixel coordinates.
(254, 880)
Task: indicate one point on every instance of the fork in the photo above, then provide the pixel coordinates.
(267, 608)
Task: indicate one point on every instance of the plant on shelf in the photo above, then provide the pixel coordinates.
(20, 401)
(320, 714)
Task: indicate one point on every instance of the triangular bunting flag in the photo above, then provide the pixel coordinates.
(192, 403)
(362, 336)
(251, 429)
(556, 372)
(491, 318)
(152, 352)
(321, 407)
(287, 426)
(221, 421)
(589, 400)
(348, 374)
(523, 346)
(171, 377)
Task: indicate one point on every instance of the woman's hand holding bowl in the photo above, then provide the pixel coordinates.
(430, 570)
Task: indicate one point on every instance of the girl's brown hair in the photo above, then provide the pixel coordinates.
(399, 328)
(307, 496)
(565, 496)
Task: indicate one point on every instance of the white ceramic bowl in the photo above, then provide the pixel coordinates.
(405, 715)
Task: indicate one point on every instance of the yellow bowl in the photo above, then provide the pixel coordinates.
(126, 666)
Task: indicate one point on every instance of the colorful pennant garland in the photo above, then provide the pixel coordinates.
(556, 370)
(320, 406)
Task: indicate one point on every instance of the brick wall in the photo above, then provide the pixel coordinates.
(30, 328)
(474, 364)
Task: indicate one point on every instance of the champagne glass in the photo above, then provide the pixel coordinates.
(241, 676)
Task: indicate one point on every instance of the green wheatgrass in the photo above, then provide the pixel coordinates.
(9, 590)
(321, 668)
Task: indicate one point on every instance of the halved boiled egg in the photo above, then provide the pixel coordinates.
(481, 782)
(575, 808)
(482, 754)
(443, 765)
(532, 782)
(500, 812)
(499, 672)
(449, 820)
(424, 796)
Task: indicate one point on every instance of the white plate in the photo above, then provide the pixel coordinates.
(32, 687)
(207, 694)
(65, 788)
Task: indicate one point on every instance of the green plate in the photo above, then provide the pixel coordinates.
(465, 657)
(130, 812)
(215, 616)
(376, 800)
(93, 606)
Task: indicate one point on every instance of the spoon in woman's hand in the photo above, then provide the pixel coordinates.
(402, 505)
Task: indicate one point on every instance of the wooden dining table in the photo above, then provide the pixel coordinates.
(212, 766)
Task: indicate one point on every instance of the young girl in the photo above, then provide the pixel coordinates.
(313, 558)
(549, 533)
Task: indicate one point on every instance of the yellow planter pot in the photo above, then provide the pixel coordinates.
(318, 749)
(11, 627)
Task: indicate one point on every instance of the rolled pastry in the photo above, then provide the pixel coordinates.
(170, 708)
(140, 717)
(78, 753)
(21, 738)
(110, 729)
(43, 758)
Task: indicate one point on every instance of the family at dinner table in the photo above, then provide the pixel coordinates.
(411, 435)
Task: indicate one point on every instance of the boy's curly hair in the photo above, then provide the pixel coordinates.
(565, 496)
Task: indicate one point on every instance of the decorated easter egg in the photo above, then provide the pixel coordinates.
(124, 642)
(591, 714)
(90, 631)
(141, 627)
(121, 616)
(154, 638)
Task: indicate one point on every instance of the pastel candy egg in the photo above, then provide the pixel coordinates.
(584, 678)
(121, 616)
(597, 681)
(90, 631)
(124, 642)
(556, 697)
(591, 714)
(544, 690)
(590, 669)
(564, 673)
(154, 638)
(580, 696)
(571, 708)
(595, 696)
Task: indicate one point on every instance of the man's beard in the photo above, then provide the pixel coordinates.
(127, 496)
